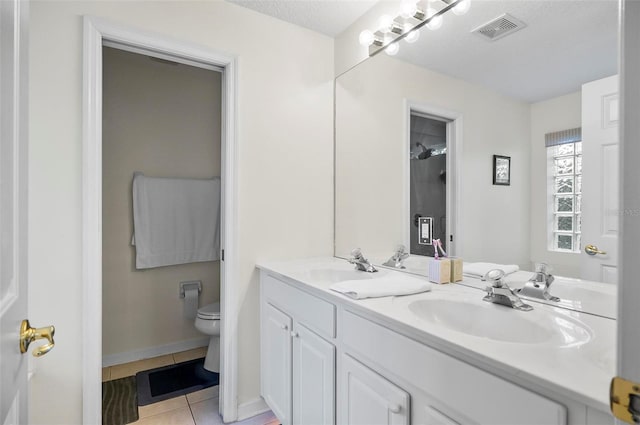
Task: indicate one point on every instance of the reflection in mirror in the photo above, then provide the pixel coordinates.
(428, 183)
(504, 96)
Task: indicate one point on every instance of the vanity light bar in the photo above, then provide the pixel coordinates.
(400, 28)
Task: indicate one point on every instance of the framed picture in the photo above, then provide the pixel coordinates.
(502, 170)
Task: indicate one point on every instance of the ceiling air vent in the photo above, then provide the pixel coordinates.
(500, 27)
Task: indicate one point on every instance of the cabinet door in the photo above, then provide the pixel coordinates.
(313, 378)
(276, 361)
(369, 399)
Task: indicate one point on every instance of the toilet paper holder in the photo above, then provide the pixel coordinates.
(188, 285)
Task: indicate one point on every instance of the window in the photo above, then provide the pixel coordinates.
(564, 171)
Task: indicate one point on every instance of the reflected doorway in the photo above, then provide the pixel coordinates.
(428, 183)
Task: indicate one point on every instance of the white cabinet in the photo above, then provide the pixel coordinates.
(369, 399)
(276, 361)
(319, 367)
(313, 378)
(297, 364)
(442, 387)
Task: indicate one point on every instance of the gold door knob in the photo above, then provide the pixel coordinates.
(29, 334)
(593, 250)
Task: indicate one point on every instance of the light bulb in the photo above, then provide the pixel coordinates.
(462, 7)
(385, 22)
(412, 36)
(408, 9)
(392, 49)
(436, 21)
(366, 38)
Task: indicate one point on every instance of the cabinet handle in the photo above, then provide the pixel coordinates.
(395, 408)
(294, 334)
(285, 327)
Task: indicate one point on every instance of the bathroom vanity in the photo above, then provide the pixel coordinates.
(439, 357)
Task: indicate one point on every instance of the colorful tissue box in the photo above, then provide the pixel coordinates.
(440, 270)
(456, 269)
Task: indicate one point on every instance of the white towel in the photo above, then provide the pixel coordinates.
(175, 221)
(381, 286)
(480, 269)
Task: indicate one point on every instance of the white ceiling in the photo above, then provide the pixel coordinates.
(329, 17)
(565, 44)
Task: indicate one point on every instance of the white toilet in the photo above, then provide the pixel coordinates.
(208, 322)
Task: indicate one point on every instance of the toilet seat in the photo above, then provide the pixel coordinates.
(210, 312)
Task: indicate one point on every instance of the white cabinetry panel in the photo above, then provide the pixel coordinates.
(466, 390)
(313, 312)
(313, 378)
(276, 361)
(436, 417)
(369, 398)
(298, 366)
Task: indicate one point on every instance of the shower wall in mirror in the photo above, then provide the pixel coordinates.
(497, 98)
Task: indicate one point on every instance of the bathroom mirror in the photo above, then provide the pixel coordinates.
(473, 97)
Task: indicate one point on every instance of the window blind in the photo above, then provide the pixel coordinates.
(562, 137)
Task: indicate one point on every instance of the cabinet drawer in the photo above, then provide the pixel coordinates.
(465, 389)
(315, 313)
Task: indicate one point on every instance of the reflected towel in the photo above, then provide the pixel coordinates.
(176, 221)
(478, 270)
(381, 286)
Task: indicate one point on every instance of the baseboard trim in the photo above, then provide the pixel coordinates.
(160, 350)
(252, 408)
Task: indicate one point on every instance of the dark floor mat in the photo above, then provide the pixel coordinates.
(119, 401)
(171, 381)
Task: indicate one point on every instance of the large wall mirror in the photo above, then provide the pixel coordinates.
(416, 135)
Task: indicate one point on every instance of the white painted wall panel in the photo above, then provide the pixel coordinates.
(285, 137)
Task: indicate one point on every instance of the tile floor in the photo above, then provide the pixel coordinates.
(197, 408)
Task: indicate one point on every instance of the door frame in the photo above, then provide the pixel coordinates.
(454, 169)
(627, 364)
(97, 31)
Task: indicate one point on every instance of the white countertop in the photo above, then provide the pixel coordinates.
(581, 371)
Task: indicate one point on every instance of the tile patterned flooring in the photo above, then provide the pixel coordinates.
(197, 408)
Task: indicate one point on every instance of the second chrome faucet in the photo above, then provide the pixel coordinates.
(538, 285)
(498, 292)
(398, 257)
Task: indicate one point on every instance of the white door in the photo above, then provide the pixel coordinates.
(369, 399)
(275, 362)
(13, 212)
(313, 378)
(600, 180)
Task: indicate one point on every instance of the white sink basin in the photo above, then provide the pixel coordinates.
(499, 323)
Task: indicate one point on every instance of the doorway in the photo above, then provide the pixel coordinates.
(161, 130)
(428, 186)
(99, 33)
(433, 154)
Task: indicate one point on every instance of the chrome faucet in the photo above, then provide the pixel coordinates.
(538, 285)
(361, 263)
(499, 293)
(398, 257)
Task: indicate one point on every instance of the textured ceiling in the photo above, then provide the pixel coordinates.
(565, 44)
(329, 17)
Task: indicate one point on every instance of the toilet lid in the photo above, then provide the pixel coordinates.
(210, 311)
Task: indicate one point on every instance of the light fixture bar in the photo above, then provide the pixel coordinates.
(381, 42)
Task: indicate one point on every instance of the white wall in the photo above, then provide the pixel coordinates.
(285, 170)
(370, 132)
(560, 113)
(163, 120)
